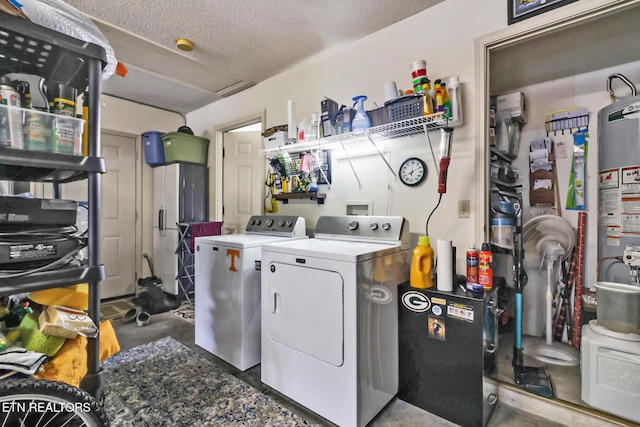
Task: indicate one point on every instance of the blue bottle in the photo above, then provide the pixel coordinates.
(361, 118)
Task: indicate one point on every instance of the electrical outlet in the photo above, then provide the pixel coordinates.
(463, 208)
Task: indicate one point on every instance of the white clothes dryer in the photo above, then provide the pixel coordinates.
(329, 316)
(227, 287)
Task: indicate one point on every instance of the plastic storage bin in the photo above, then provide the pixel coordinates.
(35, 130)
(182, 147)
(618, 307)
(153, 148)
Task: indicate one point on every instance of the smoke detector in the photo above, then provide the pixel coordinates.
(184, 44)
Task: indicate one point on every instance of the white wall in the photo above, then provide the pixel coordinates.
(445, 37)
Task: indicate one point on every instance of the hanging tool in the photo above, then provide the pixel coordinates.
(445, 158)
(446, 137)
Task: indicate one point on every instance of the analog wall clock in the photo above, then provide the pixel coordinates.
(413, 172)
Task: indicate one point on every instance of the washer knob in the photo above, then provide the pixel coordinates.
(281, 223)
(374, 226)
(269, 222)
(353, 225)
(258, 222)
(386, 226)
(288, 223)
(252, 222)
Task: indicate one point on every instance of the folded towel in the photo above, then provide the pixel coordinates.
(21, 360)
(74, 296)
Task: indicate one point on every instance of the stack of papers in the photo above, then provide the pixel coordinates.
(539, 151)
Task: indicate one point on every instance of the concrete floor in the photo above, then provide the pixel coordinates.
(397, 412)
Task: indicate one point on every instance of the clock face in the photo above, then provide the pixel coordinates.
(413, 171)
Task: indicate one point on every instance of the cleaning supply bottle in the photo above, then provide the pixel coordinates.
(427, 101)
(361, 118)
(485, 272)
(439, 98)
(302, 128)
(422, 264)
(455, 93)
(473, 280)
(446, 101)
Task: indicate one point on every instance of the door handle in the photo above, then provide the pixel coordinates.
(161, 219)
(274, 302)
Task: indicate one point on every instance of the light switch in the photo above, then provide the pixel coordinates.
(463, 209)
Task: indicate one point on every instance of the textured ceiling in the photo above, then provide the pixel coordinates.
(238, 42)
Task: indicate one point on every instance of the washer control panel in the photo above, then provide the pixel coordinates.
(277, 224)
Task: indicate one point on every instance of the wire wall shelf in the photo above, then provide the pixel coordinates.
(386, 131)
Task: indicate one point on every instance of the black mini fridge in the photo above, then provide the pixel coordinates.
(448, 348)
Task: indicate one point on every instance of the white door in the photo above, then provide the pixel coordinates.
(305, 310)
(118, 215)
(243, 179)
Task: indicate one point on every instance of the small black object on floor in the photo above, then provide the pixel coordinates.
(154, 300)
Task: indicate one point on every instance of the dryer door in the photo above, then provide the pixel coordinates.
(306, 310)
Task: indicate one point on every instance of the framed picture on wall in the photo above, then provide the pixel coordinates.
(522, 9)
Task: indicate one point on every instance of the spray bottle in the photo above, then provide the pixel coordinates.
(422, 264)
(472, 270)
(485, 272)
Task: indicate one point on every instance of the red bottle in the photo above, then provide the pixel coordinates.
(472, 270)
(485, 270)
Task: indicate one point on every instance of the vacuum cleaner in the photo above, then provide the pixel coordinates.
(533, 379)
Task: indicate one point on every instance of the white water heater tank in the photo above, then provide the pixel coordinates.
(618, 185)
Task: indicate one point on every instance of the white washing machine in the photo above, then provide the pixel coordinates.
(330, 316)
(227, 287)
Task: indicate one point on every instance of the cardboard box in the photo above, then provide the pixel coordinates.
(512, 105)
(329, 109)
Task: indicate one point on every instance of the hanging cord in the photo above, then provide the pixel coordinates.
(434, 209)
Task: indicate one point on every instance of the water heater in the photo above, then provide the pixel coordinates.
(619, 189)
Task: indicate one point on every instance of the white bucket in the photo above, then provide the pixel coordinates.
(618, 307)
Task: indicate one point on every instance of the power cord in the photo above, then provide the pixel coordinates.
(434, 209)
(38, 235)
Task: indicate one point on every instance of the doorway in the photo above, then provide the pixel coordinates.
(118, 213)
(242, 173)
(501, 57)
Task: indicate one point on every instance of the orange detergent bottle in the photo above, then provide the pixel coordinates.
(422, 264)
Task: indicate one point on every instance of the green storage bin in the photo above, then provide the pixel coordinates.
(182, 147)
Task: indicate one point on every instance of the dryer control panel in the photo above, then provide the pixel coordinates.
(392, 229)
